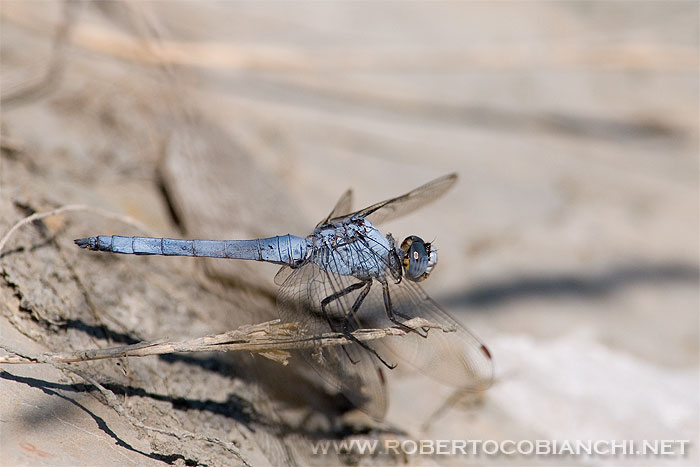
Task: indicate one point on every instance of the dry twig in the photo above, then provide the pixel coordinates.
(271, 339)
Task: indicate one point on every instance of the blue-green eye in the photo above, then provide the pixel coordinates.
(419, 258)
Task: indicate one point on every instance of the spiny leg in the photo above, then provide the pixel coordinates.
(390, 312)
(336, 296)
(346, 332)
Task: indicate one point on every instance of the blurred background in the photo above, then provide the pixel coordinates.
(569, 245)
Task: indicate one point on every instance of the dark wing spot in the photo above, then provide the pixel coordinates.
(486, 351)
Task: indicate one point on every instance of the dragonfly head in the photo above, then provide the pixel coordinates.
(419, 258)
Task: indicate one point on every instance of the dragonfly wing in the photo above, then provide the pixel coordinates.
(456, 358)
(282, 275)
(348, 369)
(341, 208)
(401, 205)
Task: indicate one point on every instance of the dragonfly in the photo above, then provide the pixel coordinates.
(345, 276)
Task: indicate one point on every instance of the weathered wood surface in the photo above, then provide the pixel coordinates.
(570, 244)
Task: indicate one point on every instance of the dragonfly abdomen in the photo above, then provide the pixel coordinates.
(285, 249)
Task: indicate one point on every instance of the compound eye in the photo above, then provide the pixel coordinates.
(432, 260)
(416, 258)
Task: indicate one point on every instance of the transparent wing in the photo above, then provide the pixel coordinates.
(283, 274)
(401, 205)
(341, 208)
(349, 369)
(456, 358)
(384, 211)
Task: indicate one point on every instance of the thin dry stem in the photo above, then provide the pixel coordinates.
(271, 339)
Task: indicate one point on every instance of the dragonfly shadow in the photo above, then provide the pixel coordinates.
(104, 332)
(286, 384)
(234, 407)
(99, 331)
(581, 286)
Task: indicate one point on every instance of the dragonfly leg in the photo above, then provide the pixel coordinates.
(345, 328)
(390, 312)
(333, 297)
(348, 334)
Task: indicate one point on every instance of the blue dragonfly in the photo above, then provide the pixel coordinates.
(347, 275)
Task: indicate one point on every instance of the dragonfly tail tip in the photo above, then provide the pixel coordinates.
(88, 243)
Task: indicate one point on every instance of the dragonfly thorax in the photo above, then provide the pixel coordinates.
(352, 248)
